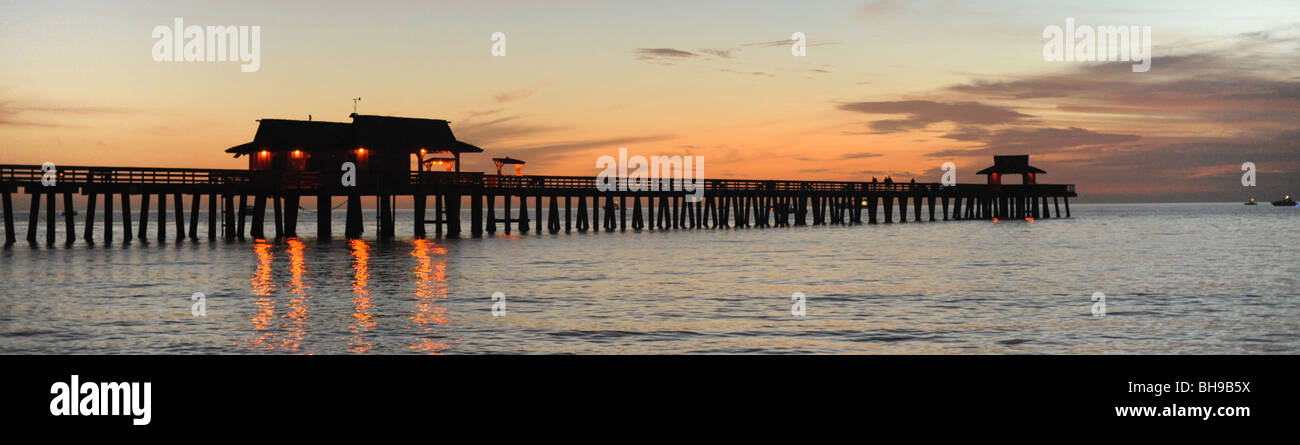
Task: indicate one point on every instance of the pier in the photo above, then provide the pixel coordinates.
(236, 202)
(384, 157)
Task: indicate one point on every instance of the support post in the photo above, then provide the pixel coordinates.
(417, 204)
(243, 204)
(228, 219)
(353, 227)
(126, 216)
(212, 216)
(383, 210)
(452, 202)
(33, 216)
(143, 228)
(194, 215)
(568, 213)
(279, 216)
(553, 217)
(9, 217)
(179, 200)
(89, 234)
(162, 216)
(49, 218)
(259, 216)
(291, 214)
(537, 206)
(476, 215)
(323, 219)
(108, 217)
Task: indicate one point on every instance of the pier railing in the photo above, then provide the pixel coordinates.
(81, 175)
(738, 185)
(78, 175)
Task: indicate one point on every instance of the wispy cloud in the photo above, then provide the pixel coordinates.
(14, 114)
(663, 55)
(513, 95)
(787, 43)
(922, 113)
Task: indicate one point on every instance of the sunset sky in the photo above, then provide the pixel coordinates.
(886, 88)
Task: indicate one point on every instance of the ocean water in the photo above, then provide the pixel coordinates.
(1177, 279)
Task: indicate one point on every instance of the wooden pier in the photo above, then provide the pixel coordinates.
(536, 204)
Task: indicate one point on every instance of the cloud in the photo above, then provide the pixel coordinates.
(787, 43)
(54, 114)
(723, 53)
(1177, 132)
(922, 113)
(545, 153)
(513, 95)
(860, 155)
(663, 54)
(501, 130)
(1030, 140)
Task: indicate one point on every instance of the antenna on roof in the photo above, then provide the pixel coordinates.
(354, 104)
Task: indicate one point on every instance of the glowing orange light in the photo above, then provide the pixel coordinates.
(361, 151)
(264, 153)
(423, 151)
(1029, 219)
(297, 153)
(995, 220)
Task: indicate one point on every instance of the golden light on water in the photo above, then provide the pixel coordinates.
(430, 287)
(263, 288)
(362, 320)
(297, 320)
(291, 329)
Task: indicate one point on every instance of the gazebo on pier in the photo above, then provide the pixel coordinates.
(500, 162)
(1011, 165)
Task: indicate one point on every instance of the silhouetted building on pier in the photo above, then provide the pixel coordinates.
(289, 152)
(1011, 165)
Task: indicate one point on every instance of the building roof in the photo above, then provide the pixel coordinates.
(285, 135)
(504, 161)
(380, 133)
(1017, 164)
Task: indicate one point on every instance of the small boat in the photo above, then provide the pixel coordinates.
(1285, 202)
(1251, 202)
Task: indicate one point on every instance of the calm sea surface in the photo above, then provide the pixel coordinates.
(1177, 279)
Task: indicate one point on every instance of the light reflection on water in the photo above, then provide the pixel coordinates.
(264, 316)
(362, 320)
(1206, 278)
(430, 288)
